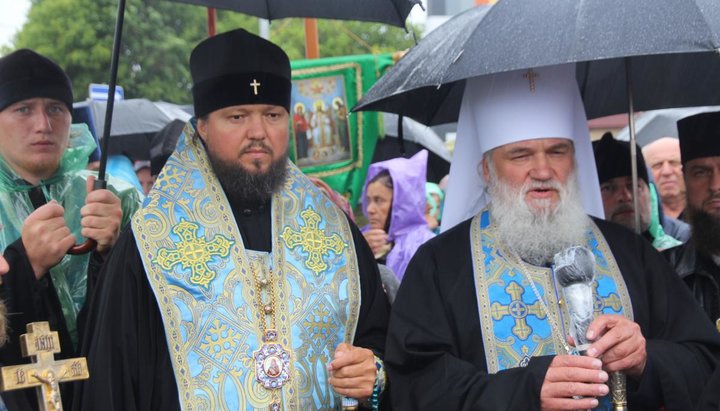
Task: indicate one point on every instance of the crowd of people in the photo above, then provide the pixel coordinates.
(230, 280)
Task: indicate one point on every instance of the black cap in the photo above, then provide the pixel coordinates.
(612, 159)
(238, 67)
(699, 136)
(26, 74)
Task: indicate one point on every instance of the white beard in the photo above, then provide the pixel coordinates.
(537, 234)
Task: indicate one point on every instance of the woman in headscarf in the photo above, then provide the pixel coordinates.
(394, 202)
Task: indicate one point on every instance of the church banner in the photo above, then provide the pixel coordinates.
(326, 140)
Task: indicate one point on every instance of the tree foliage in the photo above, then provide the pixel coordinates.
(158, 37)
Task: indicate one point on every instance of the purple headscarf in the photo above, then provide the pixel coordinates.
(408, 228)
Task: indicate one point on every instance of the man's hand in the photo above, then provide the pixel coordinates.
(45, 237)
(620, 344)
(569, 378)
(101, 217)
(352, 372)
(378, 240)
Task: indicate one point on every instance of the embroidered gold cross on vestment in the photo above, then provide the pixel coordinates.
(312, 240)
(194, 253)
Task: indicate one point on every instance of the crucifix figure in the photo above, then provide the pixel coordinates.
(530, 76)
(44, 373)
(255, 86)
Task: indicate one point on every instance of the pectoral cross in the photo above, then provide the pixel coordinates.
(44, 373)
(530, 76)
(255, 86)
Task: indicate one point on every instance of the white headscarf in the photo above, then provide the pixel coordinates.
(505, 108)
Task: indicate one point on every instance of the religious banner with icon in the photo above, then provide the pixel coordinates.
(327, 141)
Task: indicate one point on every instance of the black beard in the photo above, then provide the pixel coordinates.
(705, 231)
(248, 187)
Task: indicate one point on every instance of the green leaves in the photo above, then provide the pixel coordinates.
(158, 37)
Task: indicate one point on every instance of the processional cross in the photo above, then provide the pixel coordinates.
(44, 373)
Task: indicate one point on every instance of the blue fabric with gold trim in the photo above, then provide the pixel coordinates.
(515, 325)
(210, 299)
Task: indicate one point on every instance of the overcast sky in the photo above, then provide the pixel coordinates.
(12, 18)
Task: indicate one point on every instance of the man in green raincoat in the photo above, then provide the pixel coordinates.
(47, 205)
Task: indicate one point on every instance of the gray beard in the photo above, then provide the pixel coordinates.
(537, 235)
(248, 187)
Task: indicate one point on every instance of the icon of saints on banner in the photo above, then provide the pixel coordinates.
(320, 121)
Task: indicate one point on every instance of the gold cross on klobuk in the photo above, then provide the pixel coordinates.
(518, 310)
(44, 373)
(313, 240)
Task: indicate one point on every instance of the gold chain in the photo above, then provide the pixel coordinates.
(553, 324)
(264, 309)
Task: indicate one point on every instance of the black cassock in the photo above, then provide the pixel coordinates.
(436, 360)
(128, 359)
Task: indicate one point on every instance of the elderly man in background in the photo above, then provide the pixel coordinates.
(612, 158)
(663, 157)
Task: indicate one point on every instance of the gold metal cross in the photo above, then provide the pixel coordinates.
(194, 253)
(255, 86)
(313, 241)
(530, 76)
(41, 345)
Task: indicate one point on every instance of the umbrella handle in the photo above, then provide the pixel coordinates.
(89, 244)
(83, 248)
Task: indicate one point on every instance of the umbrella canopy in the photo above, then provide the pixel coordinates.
(672, 46)
(416, 137)
(163, 144)
(655, 124)
(381, 11)
(134, 123)
(417, 133)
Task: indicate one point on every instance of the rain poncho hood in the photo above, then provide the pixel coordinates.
(408, 227)
(68, 187)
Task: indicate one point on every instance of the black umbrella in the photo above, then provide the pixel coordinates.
(135, 122)
(416, 137)
(664, 52)
(672, 47)
(381, 11)
(163, 145)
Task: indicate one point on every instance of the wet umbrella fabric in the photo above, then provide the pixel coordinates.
(417, 133)
(381, 11)
(656, 124)
(417, 137)
(134, 124)
(671, 44)
(163, 145)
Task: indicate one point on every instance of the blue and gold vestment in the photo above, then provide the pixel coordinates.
(515, 325)
(205, 284)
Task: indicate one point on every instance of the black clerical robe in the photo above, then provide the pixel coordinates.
(436, 360)
(128, 358)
